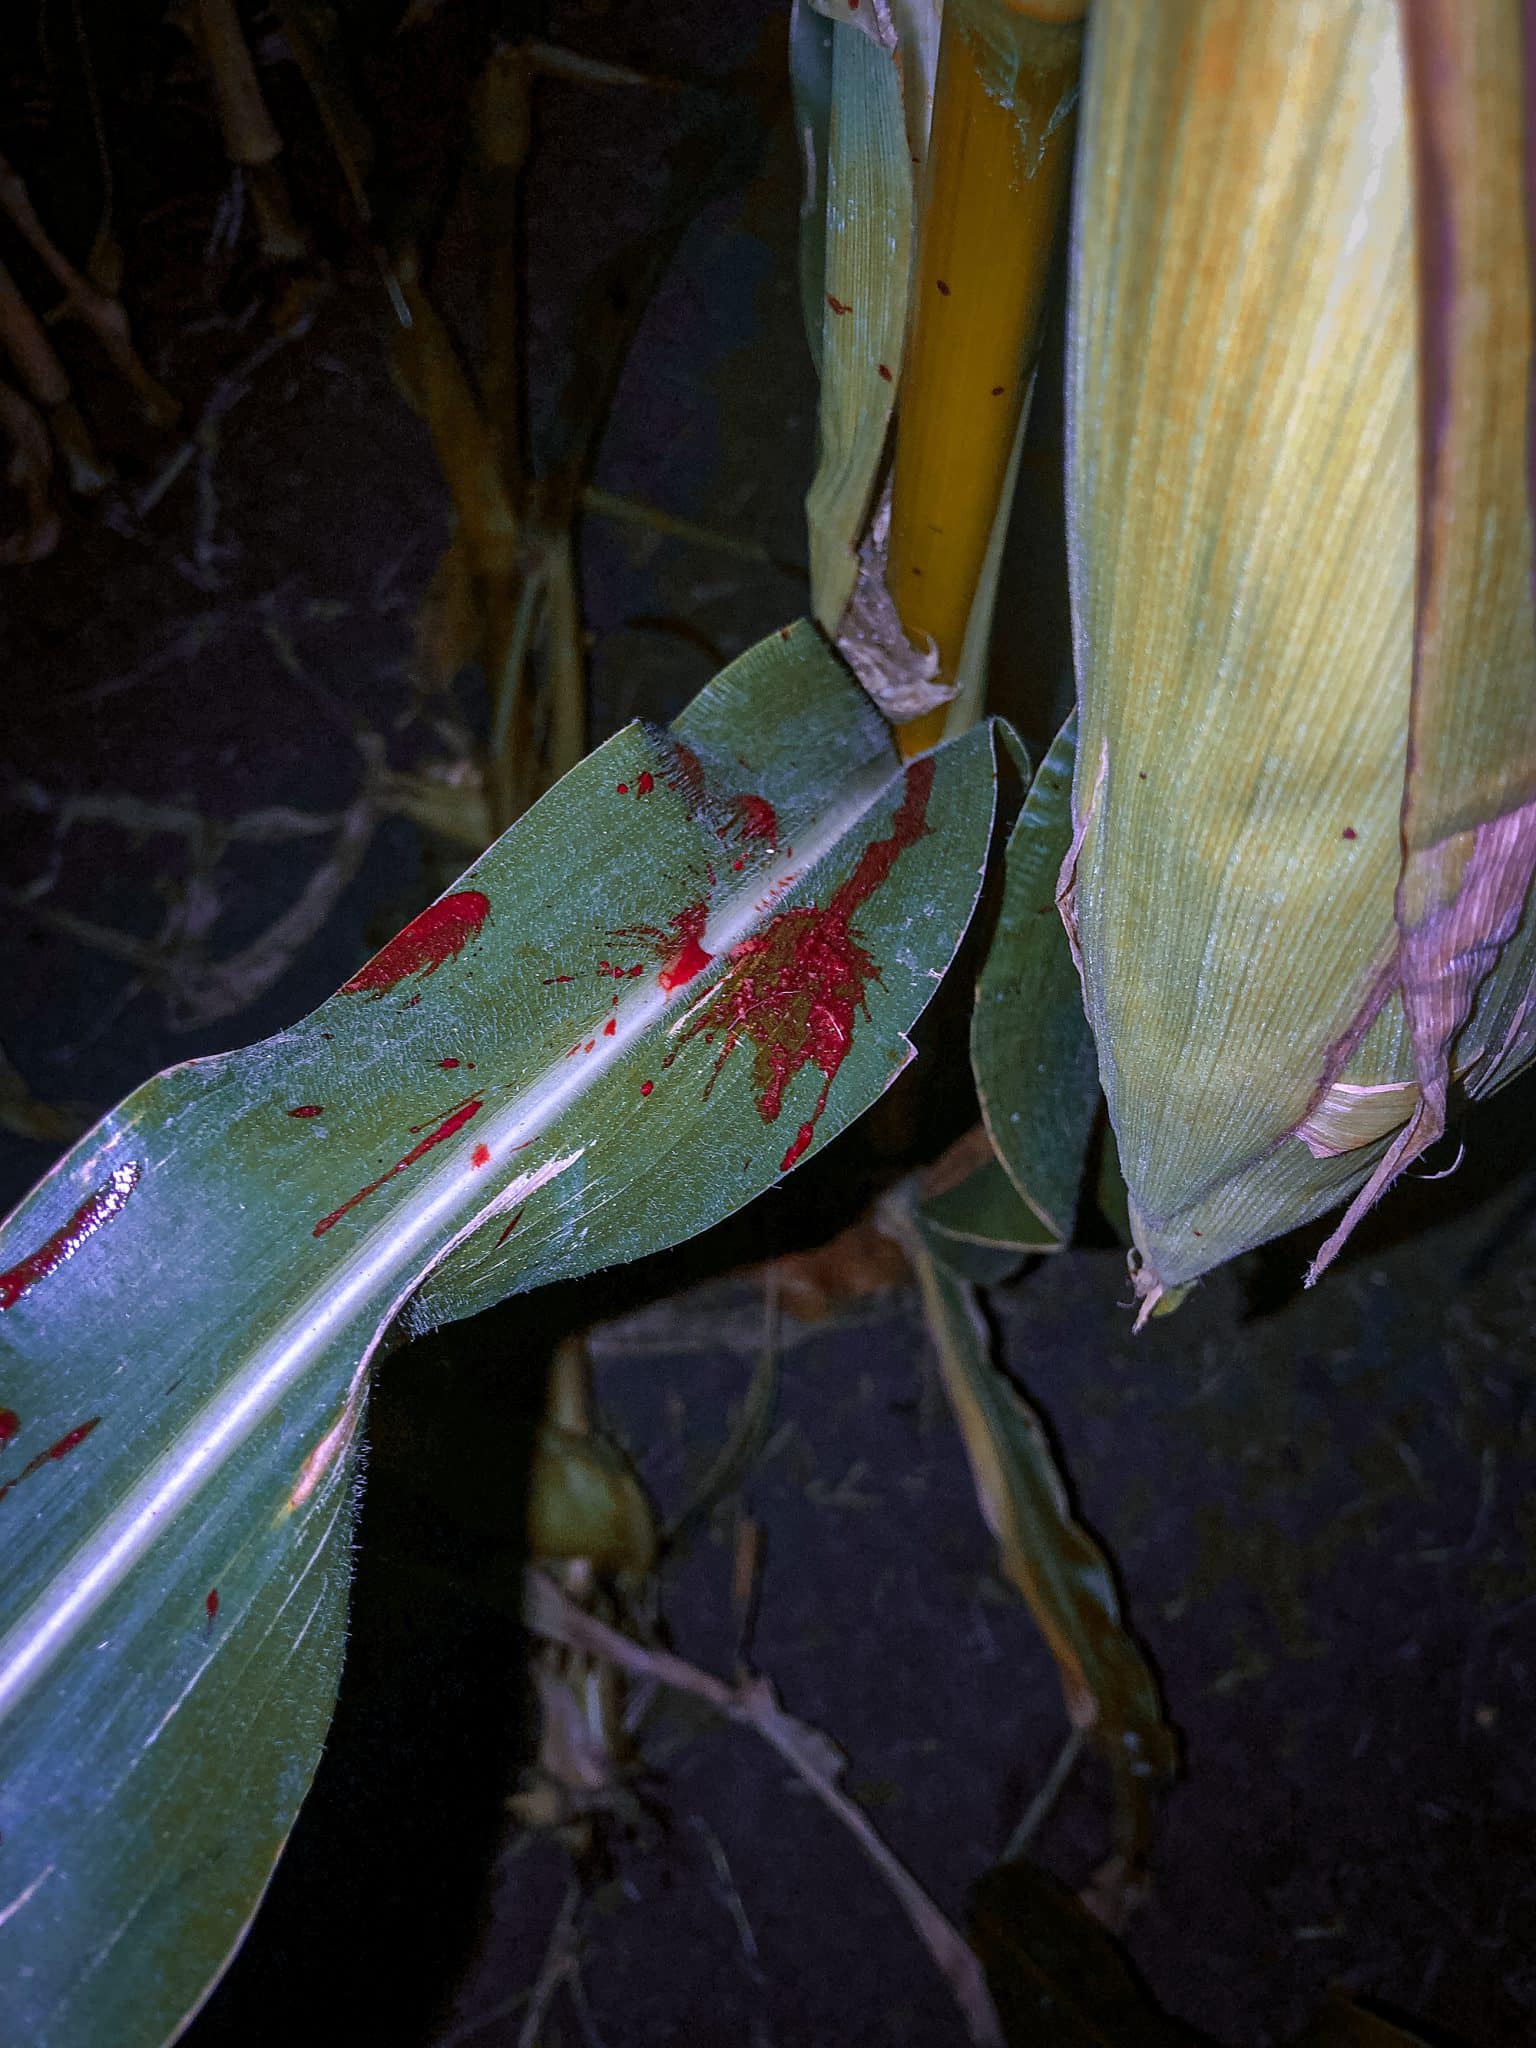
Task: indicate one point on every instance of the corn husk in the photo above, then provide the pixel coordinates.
(1305, 796)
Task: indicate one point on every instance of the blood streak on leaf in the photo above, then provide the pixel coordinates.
(10, 1422)
(452, 1123)
(108, 1201)
(308, 1109)
(71, 1440)
(837, 305)
(796, 989)
(441, 933)
(447, 1065)
(511, 1224)
(212, 1603)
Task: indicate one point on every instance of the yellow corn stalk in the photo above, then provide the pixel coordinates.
(999, 150)
(1301, 549)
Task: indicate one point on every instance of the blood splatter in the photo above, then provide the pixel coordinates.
(108, 1201)
(646, 1087)
(884, 372)
(646, 784)
(441, 933)
(447, 1065)
(512, 1222)
(308, 1109)
(795, 989)
(753, 817)
(481, 1156)
(837, 305)
(997, 390)
(555, 980)
(623, 789)
(211, 1604)
(610, 1027)
(1350, 832)
(10, 1422)
(943, 287)
(453, 1122)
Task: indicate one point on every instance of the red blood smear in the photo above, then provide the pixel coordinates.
(1350, 833)
(755, 818)
(308, 1109)
(66, 1443)
(107, 1202)
(455, 1121)
(10, 1422)
(590, 1043)
(646, 784)
(646, 1087)
(885, 373)
(512, 1223)
(685, 773)
(555, 979)
(447, 1065)
(795, 990)
(610, 1027)
(481, 1156)
(689, 957)
(212, 1603)
(623, 789)
(837, 305)
(441, 933)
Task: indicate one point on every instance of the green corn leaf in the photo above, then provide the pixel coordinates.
(1031, 1050)
(683, 970)
(1051, 1559)
(865, 248)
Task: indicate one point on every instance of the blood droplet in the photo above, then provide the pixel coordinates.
(795, 990)
(646, 784)
(1350, 832)
(308, 1109)
(441, 933)
(884, 372)
(943, 287)
(10, 1422)
(610, 1027)
(452, 1123)
(212, 1603)
(623, 789)
(837, 305)
(447, 1065)
(108, 1201)
(481, 1156)
(646, 1087)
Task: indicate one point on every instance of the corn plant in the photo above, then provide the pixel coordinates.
(1266, 897)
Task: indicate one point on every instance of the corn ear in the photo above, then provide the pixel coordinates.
(1305, 799)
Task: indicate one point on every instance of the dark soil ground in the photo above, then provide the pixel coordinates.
(1318, 1504)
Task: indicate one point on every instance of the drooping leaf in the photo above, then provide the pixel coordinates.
(686, 968)
(1031, 1049)
(1052, 1560)
(1057, 1974)
(983, 1227)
